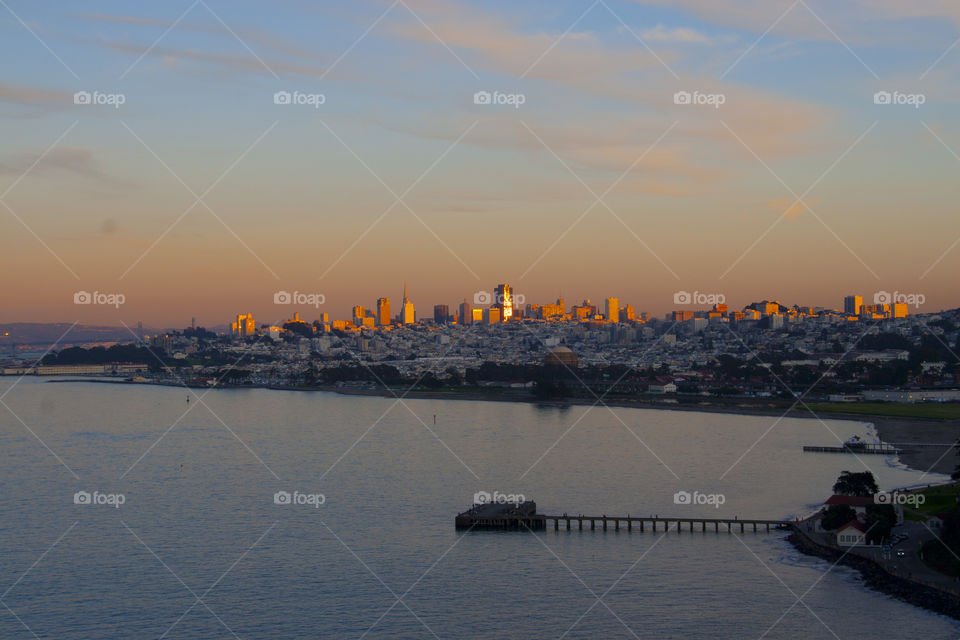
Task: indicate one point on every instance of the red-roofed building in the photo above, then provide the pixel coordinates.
(857, 503)
(852, 533)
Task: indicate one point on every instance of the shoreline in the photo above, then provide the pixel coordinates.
(904, 432)
(925, 432)
(876, 578)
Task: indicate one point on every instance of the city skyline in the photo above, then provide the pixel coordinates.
(647, 145)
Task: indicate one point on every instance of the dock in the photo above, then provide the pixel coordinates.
(882, 449)
(524, 517)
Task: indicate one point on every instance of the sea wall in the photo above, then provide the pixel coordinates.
(875, 577)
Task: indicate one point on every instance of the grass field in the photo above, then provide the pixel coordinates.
(940, 499)
(944, 411)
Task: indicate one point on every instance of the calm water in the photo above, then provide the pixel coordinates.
(199, 549)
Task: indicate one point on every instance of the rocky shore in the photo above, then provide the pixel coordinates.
(911, 591)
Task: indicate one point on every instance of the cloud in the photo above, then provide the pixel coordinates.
(683, 35)
(789, 208)
(854, 21)
(33, 96)
(79, 161)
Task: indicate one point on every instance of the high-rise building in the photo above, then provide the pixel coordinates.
(492, 315)
(441, 313)
(466, 312)
(611, 310)
(383, 311)
(244, 326)
(553, 311)
(359, 313)
(407, 314)
(477, 315)
(852, 305)
(504, 302)
(900, 310)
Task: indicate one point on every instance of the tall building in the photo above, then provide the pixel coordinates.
(383, 311)
(441, 313)
(852, 305)
(244, 326)
(359, 313)
(492, 315)
(407, 314)
(611, 310)
(504, 302)
(553, 311)
(466, 312)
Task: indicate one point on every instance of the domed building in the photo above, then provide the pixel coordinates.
(561, 357)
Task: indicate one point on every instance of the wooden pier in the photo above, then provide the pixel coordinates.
(882, 449)
(524, 517)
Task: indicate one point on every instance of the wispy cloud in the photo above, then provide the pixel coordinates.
(683, 35)
(36, 97)
(83, 162)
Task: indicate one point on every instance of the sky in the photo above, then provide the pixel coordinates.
(759, 149)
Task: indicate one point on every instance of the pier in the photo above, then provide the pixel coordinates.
(525, 517)
(882, 449)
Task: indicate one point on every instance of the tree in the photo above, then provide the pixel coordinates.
(453, 376)
(956, 470)
(879, 521)
(860, 484)
(837, 515)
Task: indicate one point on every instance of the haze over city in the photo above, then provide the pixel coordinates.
(198, 194)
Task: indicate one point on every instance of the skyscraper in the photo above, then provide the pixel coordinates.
(466, 312)
(612, 310)
(383, 311)
(852, 305)
(441, 313)
(244, 326)
(407, 314)
(504, 302)
(359, 313)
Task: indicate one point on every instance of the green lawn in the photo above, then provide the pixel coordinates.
(940, 411)
(940, 499)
